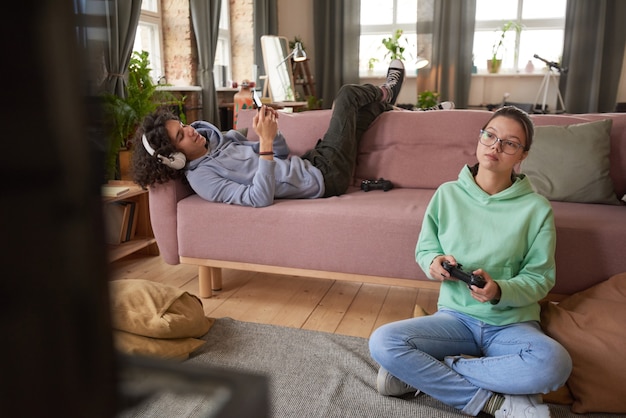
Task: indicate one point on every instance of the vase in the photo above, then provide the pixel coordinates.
(530, 67)
(493, 66)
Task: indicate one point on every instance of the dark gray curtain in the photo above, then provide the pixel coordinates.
(452, 29)
(205, 19)
(593, 50)
(265, 23)
(337, 30)
(121, 17)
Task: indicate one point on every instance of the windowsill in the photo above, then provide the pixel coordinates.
(179, 88)
(505, 74)
(382, 76)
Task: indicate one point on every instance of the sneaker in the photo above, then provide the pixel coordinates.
(523, 406)
(389, 385)
(441, 106)
(395, 77)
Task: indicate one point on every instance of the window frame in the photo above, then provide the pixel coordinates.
(528, 24)
(155, 19)
(384, 30)
(491, 25)
(223, 51)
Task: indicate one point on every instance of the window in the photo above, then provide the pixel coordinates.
(149, 36)
(379, 20)
(543, 23)
(222, 70)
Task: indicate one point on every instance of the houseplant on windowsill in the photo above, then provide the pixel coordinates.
(494, 63)
(395, 51)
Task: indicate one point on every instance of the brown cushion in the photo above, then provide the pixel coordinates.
(591, 326)
(151, 318)
(172, 349)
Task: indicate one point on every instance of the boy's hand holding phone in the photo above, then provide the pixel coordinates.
(257, 100)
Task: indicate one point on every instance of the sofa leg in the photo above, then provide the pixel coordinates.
(209, 279)
(216, 279)
(204, 282)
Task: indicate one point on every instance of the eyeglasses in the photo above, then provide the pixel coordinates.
(508, 147)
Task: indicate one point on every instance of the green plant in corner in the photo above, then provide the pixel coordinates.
(394, 49)
(124, 115)
(427, 99)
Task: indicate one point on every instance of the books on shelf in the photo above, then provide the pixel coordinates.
(114, 191)
(120, 221)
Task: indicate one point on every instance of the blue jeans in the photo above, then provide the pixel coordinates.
(426, 353)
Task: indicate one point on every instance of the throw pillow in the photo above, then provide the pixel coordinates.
(571, 163)
(590, 325)
(151, 318)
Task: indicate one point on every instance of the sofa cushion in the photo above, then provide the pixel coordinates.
(302, 130)
(590, 244)
(420, 149)
(590, 325)
(374, 233)
(557, 170)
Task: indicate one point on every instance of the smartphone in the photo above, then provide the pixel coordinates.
(256, 99)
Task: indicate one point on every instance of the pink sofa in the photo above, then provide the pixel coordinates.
(371, 236)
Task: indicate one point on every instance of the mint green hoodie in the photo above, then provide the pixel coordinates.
(510, 235)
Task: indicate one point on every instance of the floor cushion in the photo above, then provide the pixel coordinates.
(590, 325)
(153, 319)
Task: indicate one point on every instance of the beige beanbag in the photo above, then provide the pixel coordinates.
(154, 319)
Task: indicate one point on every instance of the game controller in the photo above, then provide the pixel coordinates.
(380, 184)
(469, 279)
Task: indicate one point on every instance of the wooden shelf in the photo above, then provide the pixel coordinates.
(302, 77)
(137, 244)
(144, 240)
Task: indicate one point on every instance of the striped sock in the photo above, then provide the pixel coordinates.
(493, 404)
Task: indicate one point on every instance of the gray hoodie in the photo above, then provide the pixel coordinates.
(232, 172)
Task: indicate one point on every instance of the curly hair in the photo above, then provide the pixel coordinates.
(520, 117)
(147, 169)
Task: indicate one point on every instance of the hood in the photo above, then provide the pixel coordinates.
(213, 135)
(521, 186)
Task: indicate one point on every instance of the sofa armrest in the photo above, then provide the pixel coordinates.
(164, 200)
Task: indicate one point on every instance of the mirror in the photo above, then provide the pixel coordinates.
(279, 81)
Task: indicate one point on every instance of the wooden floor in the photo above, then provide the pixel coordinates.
(339, 307)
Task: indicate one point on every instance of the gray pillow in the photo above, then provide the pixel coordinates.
(571, 163)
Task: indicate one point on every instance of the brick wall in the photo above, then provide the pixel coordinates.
(179, 47)
(242, 38)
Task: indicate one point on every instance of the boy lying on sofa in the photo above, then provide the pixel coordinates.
(228, 168)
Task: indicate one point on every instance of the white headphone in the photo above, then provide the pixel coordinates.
(175, 160)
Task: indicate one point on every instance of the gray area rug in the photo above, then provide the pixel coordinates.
(311, 374)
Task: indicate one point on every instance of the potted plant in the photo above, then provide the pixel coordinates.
(124, 115)
(494, 63)
(427, 99)
(394, 49)
(370, 64)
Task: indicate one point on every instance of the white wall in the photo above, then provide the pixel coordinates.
(295, 18)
